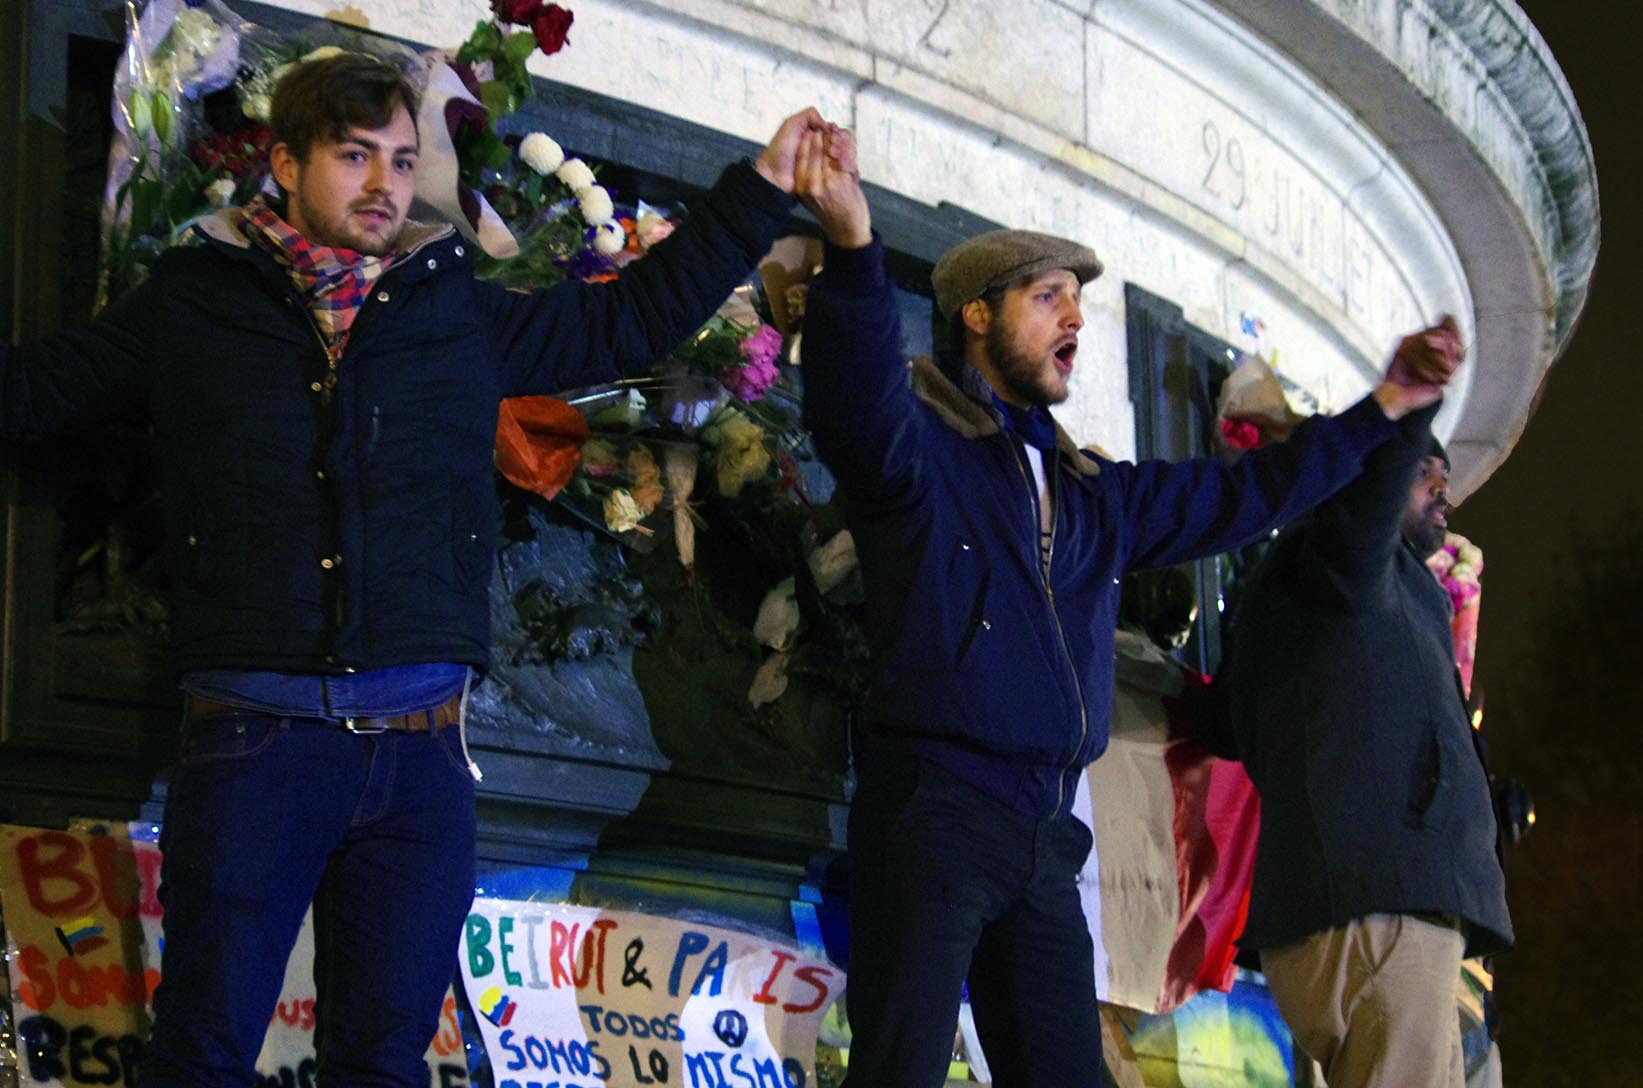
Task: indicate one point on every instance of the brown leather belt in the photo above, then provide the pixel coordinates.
(417, 721)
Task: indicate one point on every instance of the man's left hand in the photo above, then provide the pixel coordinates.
(775, 162)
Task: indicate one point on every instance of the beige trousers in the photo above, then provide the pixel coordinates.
(1373, 1002)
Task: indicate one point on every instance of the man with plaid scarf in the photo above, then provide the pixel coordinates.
(322, 379)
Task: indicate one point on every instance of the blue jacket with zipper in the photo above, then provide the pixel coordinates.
(988, 661)
(317, 532)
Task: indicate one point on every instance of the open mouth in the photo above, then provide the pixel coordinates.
(1064, 356)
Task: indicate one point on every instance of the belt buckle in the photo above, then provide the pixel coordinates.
(365, 727)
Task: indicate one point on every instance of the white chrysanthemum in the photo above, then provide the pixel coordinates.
(575, 174)
(609, 237)
(541, 152)
(595, 204)
(220, 192)
(257, 107)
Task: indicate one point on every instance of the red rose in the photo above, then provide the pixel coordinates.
(519, 12)
(550, 28)
(1240, 434)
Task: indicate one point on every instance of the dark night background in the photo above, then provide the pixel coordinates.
(1560, 645)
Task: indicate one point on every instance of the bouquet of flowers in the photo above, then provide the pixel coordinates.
(1458, 567)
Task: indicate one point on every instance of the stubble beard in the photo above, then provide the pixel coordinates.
(324, 231)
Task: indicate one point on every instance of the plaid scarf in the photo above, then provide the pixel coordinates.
(332, 281)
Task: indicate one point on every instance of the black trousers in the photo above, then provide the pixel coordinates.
(948, 885)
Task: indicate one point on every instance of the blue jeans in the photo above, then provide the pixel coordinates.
(267, 814)
(948, 885)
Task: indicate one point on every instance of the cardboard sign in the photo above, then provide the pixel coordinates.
(82, 932)
(579, 997)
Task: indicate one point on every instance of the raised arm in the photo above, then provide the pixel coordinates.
(1195, 508)
(857, 401)
(581, 334)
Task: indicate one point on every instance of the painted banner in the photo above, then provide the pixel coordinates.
(82, 937)
(80, 918)
(580, 997)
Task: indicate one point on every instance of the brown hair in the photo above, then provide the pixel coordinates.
(953, 331)
(321, 100)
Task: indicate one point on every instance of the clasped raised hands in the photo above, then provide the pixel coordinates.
(1422, 365)
(827, 181)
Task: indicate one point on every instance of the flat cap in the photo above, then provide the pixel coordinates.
(971, 268)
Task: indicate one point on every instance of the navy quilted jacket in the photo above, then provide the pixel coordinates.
(987, 663)
(313, 533)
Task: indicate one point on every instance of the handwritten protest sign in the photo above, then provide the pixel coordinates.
(82, 933)
(579, 997)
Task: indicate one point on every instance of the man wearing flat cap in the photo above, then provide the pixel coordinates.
(992, 549)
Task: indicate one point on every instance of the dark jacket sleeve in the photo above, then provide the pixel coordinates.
(1349, 543)
(81, 378)
(1189, 509)
(858, 401)
(579, 334)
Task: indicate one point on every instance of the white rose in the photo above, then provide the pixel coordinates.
(196, 32)
(595, 203)
(831, 563)
(575, 174)
(609, 238)
(627, 411)
(541, 152)
(770, 682)
(220, 192)
(257, 107)
(621, 512)
(777, 625)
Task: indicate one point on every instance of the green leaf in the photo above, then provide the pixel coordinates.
(498, 98)
(147, 196)
(483, 44)
(532, 189)
(519, 46)
(496, 153)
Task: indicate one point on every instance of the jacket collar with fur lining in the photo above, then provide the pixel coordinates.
(972, 417)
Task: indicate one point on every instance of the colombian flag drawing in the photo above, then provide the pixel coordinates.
(496, 1006)
(80, 936)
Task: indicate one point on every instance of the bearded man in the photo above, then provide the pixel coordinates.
(992, 548)
(1376, 869)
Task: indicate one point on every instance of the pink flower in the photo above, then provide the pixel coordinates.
(753, 379)
(1462, 594)
(763, 346)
